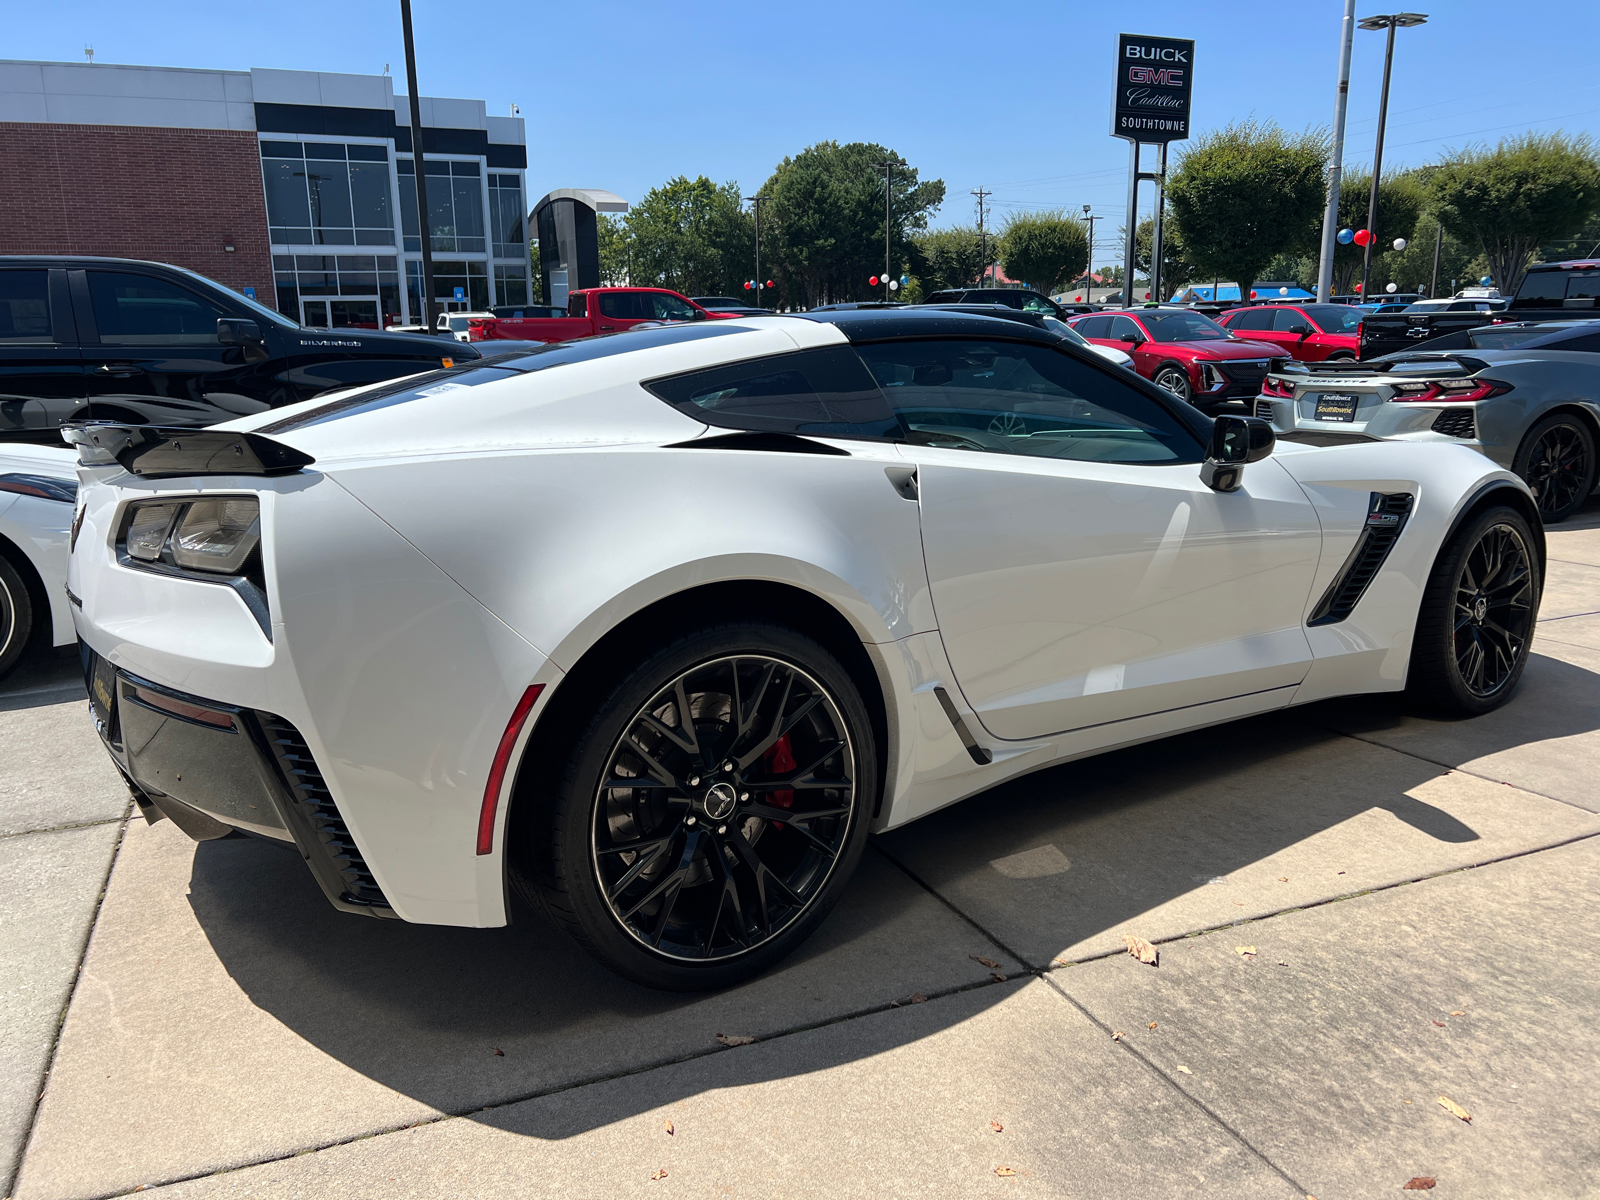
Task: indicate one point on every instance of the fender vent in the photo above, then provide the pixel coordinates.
(1264, 409)
(1455, 423)
(1386, 517)
(318, 826)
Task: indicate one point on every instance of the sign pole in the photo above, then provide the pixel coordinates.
(1129, 246)
(1156, 228)
(1155, 80)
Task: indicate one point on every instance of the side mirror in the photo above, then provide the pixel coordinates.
(237, 331)
(1303, 330)
(1235, 441)
(699, 315)
(1133, 339)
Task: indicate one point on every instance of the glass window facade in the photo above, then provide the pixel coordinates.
(508, 215)
(349, 276)
(471, 277)
(510, 284)
(327, 193)
(455, 205)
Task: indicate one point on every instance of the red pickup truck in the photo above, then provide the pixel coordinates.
(597, 310)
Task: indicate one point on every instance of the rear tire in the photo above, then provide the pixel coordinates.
(16, 617)
(730, 875)
(1477, 616)
(1557, 460)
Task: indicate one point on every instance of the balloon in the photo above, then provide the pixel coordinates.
(1358, 287)
(904, 279)
(771, 284)
(873, 281)
(894, 285)
(1283, 291)
(1400, 243)
(1147, 295)
(1392, 288)
(747, 285)
(1486, 280)
(1362, 237)
(1252, 293)
(1345, 236)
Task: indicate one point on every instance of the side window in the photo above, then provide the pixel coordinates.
(25, 307)
(1010, 398)
(825, 393)
(1124, 329)
(1289, 320)
(1094, 327)
(1038, 304)
(667, 308)
(576, 305)
(140, 310)
(1583, 283)
(1252, 318)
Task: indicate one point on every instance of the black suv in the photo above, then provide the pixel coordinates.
(121, 340)
(1024, 298)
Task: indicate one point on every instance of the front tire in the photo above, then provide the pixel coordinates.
(1477, 616)
(713, 809)
(16, 617)
(1176, 381)
(1557, 461)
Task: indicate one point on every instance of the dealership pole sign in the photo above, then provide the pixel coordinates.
(1155, 77)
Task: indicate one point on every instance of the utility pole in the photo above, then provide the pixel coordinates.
(1088, 271)
(887, 167)
(1391, 23)
(983, 241)
(1438, 245)
(1330, 217)
(758, 201)
(424, 231)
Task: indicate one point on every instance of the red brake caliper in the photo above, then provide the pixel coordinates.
(779, 760)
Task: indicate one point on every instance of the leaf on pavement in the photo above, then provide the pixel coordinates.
(1454, 1109)
(1456, 1012)
(984, 962)
(997, 977)
(1004, 1172)
(1118, 1036)
(660, 1174)
(917, 997)
(500, 1052)
(1419, 1183)
(734, 1039)
(1440, 1024)
(670, 1129)
(1152, 1024)
(1283, 879)
(1142, 950)
(997, 1127)
(1245, 951)
(1185, 1069)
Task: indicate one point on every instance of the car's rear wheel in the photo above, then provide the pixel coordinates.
(1174, 380)
(1476, 621)
(711, 812)
(16, 617)
(1557, 460)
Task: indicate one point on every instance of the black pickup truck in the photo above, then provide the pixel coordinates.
(1548, 292)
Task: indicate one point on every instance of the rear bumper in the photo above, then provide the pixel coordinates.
(215, 768)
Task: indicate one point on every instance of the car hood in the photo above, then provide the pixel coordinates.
(1217, 348)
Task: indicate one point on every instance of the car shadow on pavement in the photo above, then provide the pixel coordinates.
(1057, 862)
(43, 678)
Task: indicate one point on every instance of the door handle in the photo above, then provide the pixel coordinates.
(118, 370)
(608, 327)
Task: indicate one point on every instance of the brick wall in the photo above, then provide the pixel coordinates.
(170, 195)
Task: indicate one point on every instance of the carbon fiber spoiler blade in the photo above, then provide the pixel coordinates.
(165, 452)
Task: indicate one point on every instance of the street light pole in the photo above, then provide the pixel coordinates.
(1391, 23)
(424, 230)
(1088, 271)
(1330, 217)
(758, 201)
(887, 168)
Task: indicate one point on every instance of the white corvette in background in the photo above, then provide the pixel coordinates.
(657, 627)
(38, 485)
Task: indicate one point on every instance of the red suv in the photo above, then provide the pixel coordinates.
(1185, 352)
(1308, 332)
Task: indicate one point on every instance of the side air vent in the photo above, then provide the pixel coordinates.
(318, 827)
(1386, 517)
(1455, 422)
(1264, 409)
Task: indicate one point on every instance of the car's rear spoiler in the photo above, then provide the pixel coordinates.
(164, 452)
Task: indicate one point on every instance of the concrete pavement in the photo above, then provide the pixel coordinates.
(230, 1035)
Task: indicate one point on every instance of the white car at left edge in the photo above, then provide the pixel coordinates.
(38, 487)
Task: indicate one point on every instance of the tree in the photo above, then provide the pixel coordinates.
(1176, 270)
(615, 246)
(1529, 190)
(689, 235)
(1245, 194)
(948, 258)
(1401, 198)
(822, 228)
(1046, 249)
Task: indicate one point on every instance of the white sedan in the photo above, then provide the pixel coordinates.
(38, 485)
(656, 628)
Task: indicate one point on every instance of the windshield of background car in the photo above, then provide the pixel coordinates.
(1584, 338)
(1013, 398)
(1334, 318)
(1182, 327)
(1067, 332)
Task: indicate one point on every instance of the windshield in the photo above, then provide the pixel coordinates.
(1426, 306)
(1067, 332)
(1182, 327)
(1334, 318)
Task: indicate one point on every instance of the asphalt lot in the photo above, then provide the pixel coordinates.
(1419, 896)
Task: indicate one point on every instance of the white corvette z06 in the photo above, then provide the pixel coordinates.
(655, 628)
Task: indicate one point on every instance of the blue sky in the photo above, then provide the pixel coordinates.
(1014, 97)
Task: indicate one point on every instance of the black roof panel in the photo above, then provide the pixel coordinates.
(892, 324)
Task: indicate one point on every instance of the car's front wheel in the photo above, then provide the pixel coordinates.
(1477, 616)
(1174, 380)
(711, 812)
(1557, 461)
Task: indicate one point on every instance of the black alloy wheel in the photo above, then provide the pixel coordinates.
(1477, 618)
(16, 617)
(1174, 380)
(1557, 461)
(724, 792)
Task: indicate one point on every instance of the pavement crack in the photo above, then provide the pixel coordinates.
(63, 828)
(1211, 1113)
(72, 994)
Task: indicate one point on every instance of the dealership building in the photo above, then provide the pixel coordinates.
(295, 187)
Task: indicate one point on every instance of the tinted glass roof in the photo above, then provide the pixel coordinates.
(881, 325)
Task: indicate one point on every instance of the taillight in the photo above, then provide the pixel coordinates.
(1277, 387)
(1451, 390)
